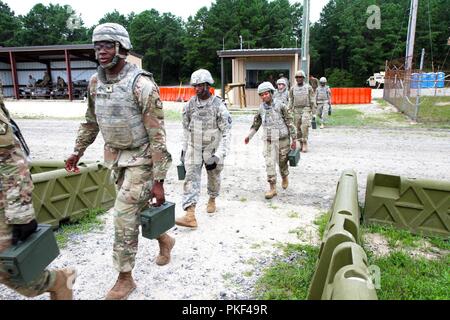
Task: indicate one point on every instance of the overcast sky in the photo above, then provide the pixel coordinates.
(92, 10)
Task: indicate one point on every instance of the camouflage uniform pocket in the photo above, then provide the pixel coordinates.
(6, 135)
(118, 135)
(136, 185)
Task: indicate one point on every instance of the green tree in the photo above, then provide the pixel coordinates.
(262, 24)
(159, 39)
(47, 25)
(116, 17)
(9, 26)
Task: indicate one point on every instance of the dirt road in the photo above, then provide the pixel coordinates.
(223, 258)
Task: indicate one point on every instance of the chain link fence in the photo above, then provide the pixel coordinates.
(417, 93)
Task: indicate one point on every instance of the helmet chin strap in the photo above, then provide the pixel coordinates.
(115, 60)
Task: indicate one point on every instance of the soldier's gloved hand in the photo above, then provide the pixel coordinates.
(211, 163)
(21, 232)
(247, 140)
(293, 144)
(182, 156)
(71, 163)
(157, 192)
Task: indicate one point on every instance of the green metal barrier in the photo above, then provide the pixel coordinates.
(418, 205)
(40, 166)
(342, 227)
(59, 195)
(348, 276)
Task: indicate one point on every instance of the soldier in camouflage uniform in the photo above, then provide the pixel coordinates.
(282, 94)
(278, 127)
(125, 106)
(323, 100)
(17, 217)
(302, 104)
(207, 135)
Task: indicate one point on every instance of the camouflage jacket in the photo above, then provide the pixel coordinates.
(16, 187)
(298, 98)
(210, 121)
(286, 115)
(155, 153)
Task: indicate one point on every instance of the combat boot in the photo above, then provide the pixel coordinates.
(211, 207)
(304, 147)
(188, 220)
(166, 244)
(285, 182)
(62, 288)
(272, 192)
(123, 287)
(322, 126)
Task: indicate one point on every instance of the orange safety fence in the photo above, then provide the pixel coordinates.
(177, 93)
(351, 95)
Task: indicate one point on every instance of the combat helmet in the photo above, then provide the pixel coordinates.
(201, 76)
(266, 86)
(300, 73)
(116, 33)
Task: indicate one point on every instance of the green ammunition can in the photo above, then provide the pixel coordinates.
(294, 157)
(181, 171)
(25, 261)
(157, 220)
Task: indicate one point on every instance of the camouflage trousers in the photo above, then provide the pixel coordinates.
(277, 152)
(133, 185)
(302, 120)
(192, 183)
(38, 286)
(322, 111)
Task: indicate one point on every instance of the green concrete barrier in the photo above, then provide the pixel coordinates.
(61, 196)
(340, 231)
(418, 205)
(348, 276)
(343, 226)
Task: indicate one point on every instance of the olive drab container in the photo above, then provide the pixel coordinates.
(314, 123)
(157, 220)
(294, 157)
(181, 171)
(25, 261)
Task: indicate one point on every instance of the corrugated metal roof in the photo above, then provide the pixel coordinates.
(258, 52)
(50, 48)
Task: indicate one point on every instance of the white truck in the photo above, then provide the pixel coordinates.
(377, 80)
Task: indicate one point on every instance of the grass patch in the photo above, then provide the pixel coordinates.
(298, 231)
(288, 280)
(273, 206)
(434, 110)
(293, 214)
(84, 225)
(398, 237)
(243, 199)
(321, 221)
(406, 278)
(172, 115)
(355, 118)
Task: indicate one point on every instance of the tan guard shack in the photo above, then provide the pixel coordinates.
(250, 67)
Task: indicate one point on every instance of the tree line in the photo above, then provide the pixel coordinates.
(342, 47)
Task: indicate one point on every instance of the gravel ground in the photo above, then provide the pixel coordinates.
(224, 257)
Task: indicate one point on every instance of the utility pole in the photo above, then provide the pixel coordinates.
(305, 40)
(419, 84)
(411, 35)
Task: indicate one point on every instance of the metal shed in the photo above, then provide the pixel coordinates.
(249, 66)
(74, 63)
